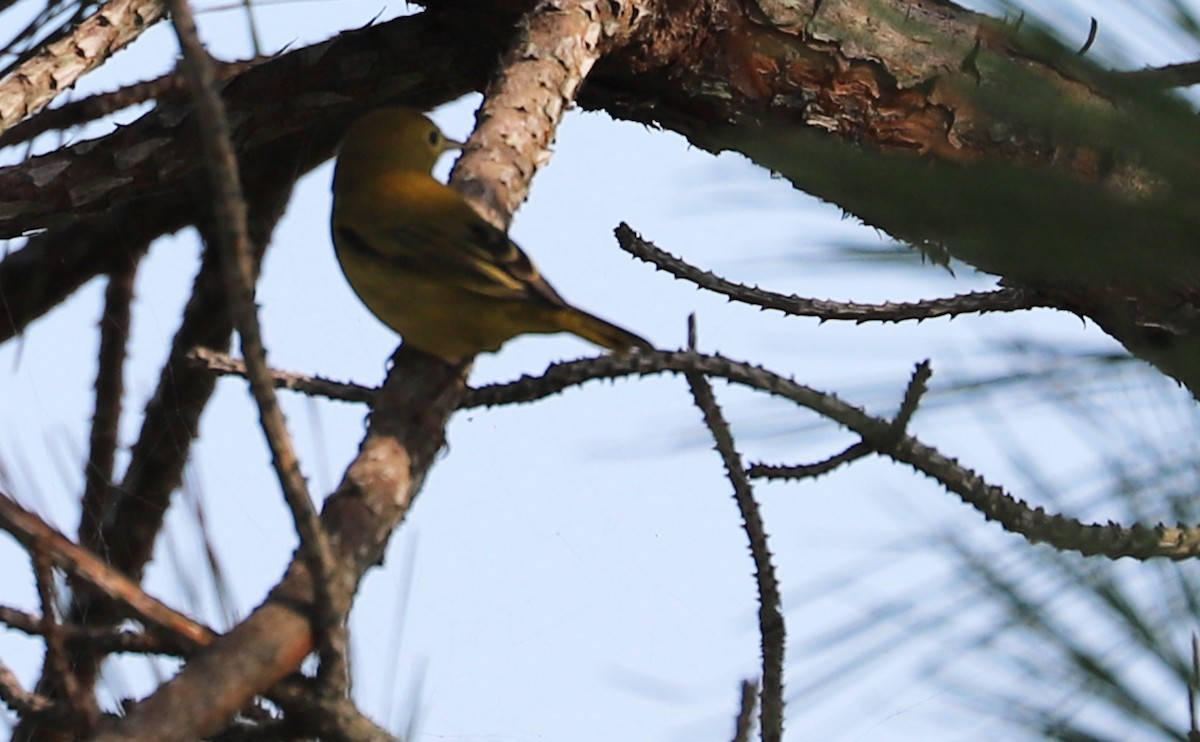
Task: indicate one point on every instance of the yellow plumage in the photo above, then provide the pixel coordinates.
(425, 263)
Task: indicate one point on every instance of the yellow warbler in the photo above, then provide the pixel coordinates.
(425, 263)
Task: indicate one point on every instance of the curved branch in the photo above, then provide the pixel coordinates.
(1034, 523)
(771, 626)
(1001, 300)
(879, 434)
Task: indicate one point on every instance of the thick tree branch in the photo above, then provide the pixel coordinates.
(59, 66)
(555, 48)
(298, 103)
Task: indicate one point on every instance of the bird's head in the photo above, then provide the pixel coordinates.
(393, 139)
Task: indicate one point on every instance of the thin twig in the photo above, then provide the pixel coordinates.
(772, 630)
(850, 454)
(313, 386)
(84, 714)
(1111, 540)
(237, 257)
(24, 703)
(917, 386)
(99, 639)
(114, 335)
(1000, 300)
(908, 407)
(33, 533)
(744, 724)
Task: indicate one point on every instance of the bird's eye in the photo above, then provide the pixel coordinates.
(435, 138)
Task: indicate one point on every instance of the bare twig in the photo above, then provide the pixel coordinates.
(24, 703)
(237, 257)
(744, 724)
(114, 334)
(313, 386)
(1111, 540)
(881, 436)
(35, 534)
(912, 396)
(1000, 300)
(101, 639)
(771, 627)
(40, 79)
(908, 407)
(83, 712)
(850, 454)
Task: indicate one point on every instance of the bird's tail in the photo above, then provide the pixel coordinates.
(602, 333)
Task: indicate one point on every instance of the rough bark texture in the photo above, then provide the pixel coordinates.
(25, 90)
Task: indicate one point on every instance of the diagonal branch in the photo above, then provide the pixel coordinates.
(79, 112)
(33, 533)
(56, 68)
(238, 269)
(406, 432)
(848, 455)
(25, 703)
(555, 48)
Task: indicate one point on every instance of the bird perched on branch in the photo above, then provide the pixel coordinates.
(425, 263)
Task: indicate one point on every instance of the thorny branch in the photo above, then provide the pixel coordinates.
(237, 257)
(114, 335)
(771, 627)
(879, 434)
(1000, 300)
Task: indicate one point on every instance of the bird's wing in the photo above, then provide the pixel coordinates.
(457, 243)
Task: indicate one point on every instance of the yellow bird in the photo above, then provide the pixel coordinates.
(425, 263)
